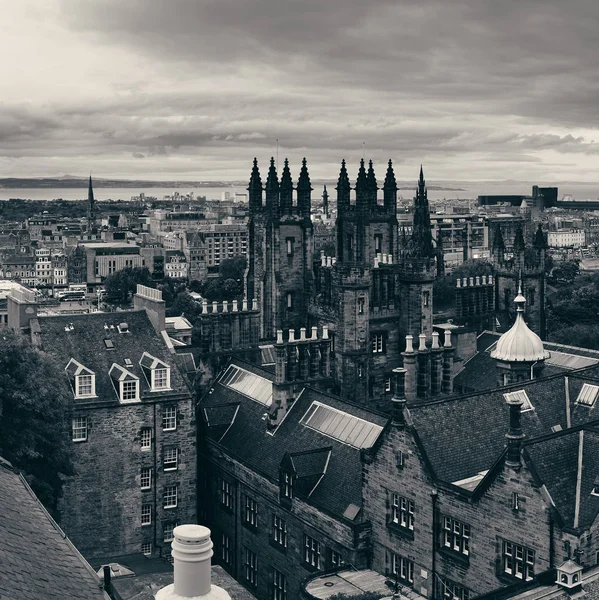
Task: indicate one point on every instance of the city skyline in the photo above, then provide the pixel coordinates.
(194, 90)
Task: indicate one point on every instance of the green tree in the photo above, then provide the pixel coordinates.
(566, 271)
(232, 268)
(35, 409)
(120, 285)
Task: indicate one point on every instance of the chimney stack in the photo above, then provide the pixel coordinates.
(151, 300)
(409, 363)
(192, 551)
(514, 436)
(398, 402)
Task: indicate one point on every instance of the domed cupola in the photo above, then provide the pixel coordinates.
(519, 352)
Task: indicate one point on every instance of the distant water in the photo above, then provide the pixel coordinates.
(468, 190)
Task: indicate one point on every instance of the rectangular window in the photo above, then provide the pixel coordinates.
(85, 386)
(448, 590)
(518, 561)
(145, 438)
(311, 551)
(226, 494)
(378, 243)
(335, 559)
(161, 379)
(251, 567)
(170, 496)
(169, 418)
(289, 300)
(170, 459)
(402, 512)
(456, 536)
(287, 485)
(146, 479)
(129, 390)
(279, 585)
(403, 568)
(251, 512)
(361, 302)
(146, 514)
(79, 429)
(146, 548)
(290, 243)
(378, 343)
(168, 529)
(279, 530)
(225, 549)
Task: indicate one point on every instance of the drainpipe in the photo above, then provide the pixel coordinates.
(155, 448)
(434, 499)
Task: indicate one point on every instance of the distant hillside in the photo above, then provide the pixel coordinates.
(82, 182)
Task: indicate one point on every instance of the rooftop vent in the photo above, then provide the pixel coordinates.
(123, 328)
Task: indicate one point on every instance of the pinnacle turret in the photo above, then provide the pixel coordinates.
(421, 244)
(255, 188)
(303, 191)
(519, 244)
(286, 190)
(272, 189)
(343, 181)
(371, 185)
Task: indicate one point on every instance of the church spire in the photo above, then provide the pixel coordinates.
(421, 244)
(304, 187)
(361, 186)
(343, 189)
(272, 189)
(255, 189)
(325, 201)
(286, 190)
(390, 190)
(91, 203)
(371, 186)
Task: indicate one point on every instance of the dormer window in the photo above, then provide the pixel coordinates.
(157, 372)
(287, 485)
(125, 383)
(83, 380)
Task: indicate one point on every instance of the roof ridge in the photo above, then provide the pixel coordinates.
(348, 402)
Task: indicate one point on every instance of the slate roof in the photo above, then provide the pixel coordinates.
(247, 439)
(37, 561)
(465, 435)
(85, 343)
(555, 460)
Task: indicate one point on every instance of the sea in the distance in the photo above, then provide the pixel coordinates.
(451, 190)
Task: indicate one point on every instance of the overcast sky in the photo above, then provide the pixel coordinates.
(194, 89)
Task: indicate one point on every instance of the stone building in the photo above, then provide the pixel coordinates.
(133, 425)
(370, 296)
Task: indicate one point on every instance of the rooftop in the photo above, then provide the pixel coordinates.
(37, 560)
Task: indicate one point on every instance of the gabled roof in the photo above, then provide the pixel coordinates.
(37, 561)
(75, 368)
(455, 423)
(248, 440)
(567, 464)
(86, 344)
(119, 373)
(151, 362)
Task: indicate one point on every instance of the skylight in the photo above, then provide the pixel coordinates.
(341, 426)
(588, 394)
(522, 396)
(569, 361)
(249, 384)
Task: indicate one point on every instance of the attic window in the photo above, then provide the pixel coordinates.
(109, 344)
(125, 383)
(157, 372)
(588, 395)
(82, 379)
(522, 396)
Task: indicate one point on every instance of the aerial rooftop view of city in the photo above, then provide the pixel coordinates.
(299, 300)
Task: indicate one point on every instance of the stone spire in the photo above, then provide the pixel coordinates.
(325, 201)
(286, 190)
(539, 241)
(343, 189)
(519, 243)
(272, 189)
(498, 243)
(91, 203)
(421, 244)
(361, 187)
(390, 189)
(255, 189)
(371, 186)
(303, 191)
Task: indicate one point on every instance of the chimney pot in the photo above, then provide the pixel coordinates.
(490, 279)
(435, 340)
(279, 336)
(390, 259)
(447, 343)
(225, 306)
(325, 332)
(471, 280)
(292, 335)
(214, 306)
(484, 279)
(254, 304)
(302, 334)
(314, 333)
(244, 304)
(458, 282)
(422, 340)
(409, 340)
(235, 306)
(465, 282)
(323, 259)
(477, 280)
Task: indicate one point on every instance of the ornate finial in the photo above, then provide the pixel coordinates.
(272, 161)
(421, 174)
(390, 182)
(343, 181)
(304, 178)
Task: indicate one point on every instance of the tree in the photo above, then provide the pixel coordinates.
(444, 287)
(472, 268)
(35, 409)
(232, 268)
(121, 284)
(185, 305)
(566, 271)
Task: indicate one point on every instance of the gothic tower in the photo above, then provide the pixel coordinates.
(91, 205)
(279, 273)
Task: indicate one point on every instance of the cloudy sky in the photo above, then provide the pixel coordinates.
(194, 89)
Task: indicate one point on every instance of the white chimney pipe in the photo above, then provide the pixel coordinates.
(314, 332)
(409, 347)
(422, 339)
(435, 340)
(447, 343)
(192, 550)
(302, 334)
(279, 336)
(325, 332)
(292, 335)
(235, 306)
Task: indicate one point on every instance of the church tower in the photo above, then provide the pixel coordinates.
(279, 273)
(91, 205)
